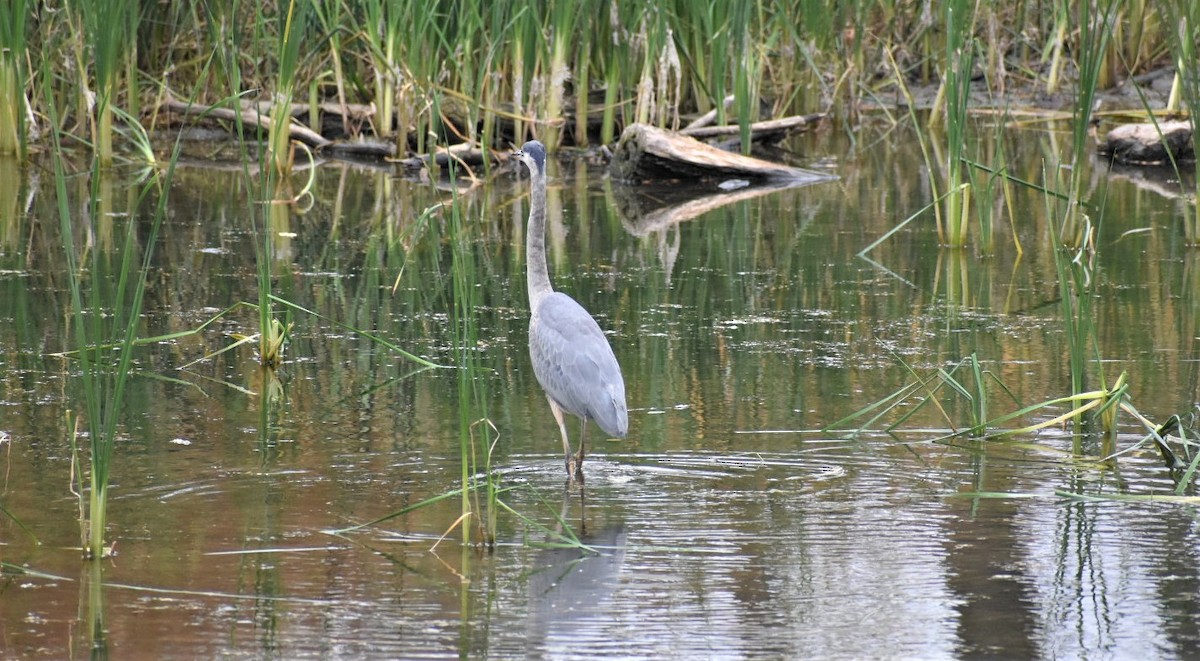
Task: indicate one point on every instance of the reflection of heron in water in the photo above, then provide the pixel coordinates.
(571, 357)
(570, 588)
(569, 584)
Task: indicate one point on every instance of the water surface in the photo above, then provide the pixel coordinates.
(726, 525)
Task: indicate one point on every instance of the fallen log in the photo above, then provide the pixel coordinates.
(1145, 144)
(646, 153)
(259, 114)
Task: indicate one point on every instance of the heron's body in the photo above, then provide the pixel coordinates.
(571, 358)
(575, 365)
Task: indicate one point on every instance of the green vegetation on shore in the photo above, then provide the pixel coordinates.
(422, 74)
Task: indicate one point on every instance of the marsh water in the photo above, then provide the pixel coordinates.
(727, 524)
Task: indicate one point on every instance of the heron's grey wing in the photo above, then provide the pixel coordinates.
(575, 364)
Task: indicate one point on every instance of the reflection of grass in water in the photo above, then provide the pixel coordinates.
(3, 510)
(561, 535)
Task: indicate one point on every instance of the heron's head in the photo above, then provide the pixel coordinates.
(533, 155)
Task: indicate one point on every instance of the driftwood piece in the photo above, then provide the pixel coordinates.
(645, 152)
(259, 114)
(358, 112)
(709, 117)
(1142, 144)
(463, 153)
(768, 130)
(253, 117)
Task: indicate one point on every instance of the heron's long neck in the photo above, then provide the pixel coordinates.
(537, 276)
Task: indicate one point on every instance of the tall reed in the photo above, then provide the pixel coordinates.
(422, 60)
(956, 92)
(267, 206)
(611, 55)
(1058, 44)
(1186, 15)
(380, 30)
(270, 220)
(331, 16)
(1075, 235)
(563, 17)
(475, 439)
(1095, 23)
(13, 21)
(747, 74)
(291, 35)
(107, 26)
(656, 101)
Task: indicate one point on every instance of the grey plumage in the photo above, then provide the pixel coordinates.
(575, 365)
(571, 358)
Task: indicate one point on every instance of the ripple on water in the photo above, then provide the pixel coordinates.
(716, 543)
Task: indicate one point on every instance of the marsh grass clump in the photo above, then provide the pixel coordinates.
(107, 25)
(1184, 44)
(107, 288)
(14, 17)
(293, 33)
(476, 446)
(956, 94)
(1094, 406)
(964, 396)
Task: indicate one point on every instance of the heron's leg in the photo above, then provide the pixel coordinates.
(562, 428)
(582, 444)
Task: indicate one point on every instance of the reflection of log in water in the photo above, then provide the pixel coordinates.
(1159, 179)
(569, 588)
(650, 209)
(645, 209)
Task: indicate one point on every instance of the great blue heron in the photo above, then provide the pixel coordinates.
(571, 357)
